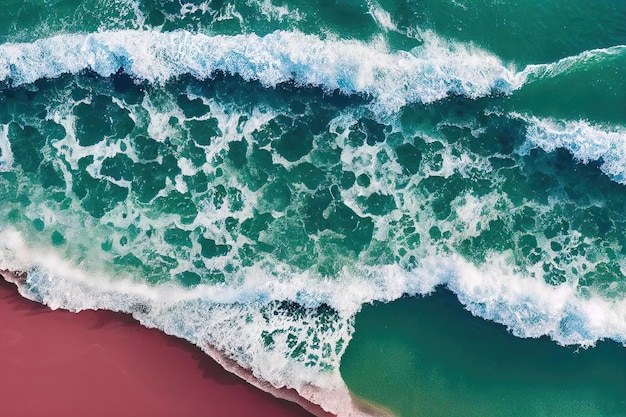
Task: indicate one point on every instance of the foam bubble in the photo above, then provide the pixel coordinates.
(585, 141)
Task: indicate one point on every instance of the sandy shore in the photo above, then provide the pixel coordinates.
(100, 363)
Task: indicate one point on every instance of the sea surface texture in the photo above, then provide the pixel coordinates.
(250, 174)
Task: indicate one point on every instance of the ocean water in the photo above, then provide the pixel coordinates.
(418, 202)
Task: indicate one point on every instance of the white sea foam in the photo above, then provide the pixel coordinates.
(585, 141)
(532, 308)
(6, 154)
(381, 16)
(278, 13)
(428, 73)
(437, 69)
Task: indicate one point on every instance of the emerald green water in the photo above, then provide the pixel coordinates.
(253, 175)
(439, 360)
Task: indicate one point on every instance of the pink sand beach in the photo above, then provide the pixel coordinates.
(100, 363)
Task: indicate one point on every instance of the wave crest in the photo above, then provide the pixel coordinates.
(428, 73)
(585, 141)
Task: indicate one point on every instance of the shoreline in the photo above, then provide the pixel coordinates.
(309, 399)
(358, 406)
(102, 363)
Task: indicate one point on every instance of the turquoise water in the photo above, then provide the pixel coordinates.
(254, 174)
(450, 363)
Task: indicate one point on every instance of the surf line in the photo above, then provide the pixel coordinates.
(313, 399)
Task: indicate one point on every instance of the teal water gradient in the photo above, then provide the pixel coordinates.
(429, 357)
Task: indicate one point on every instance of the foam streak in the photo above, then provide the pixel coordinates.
(6, 154)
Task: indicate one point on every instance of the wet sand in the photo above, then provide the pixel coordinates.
(100, 363)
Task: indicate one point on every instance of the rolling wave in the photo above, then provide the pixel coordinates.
(432, 72)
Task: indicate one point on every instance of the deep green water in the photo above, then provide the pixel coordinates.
(251, 174)
(450, 363)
